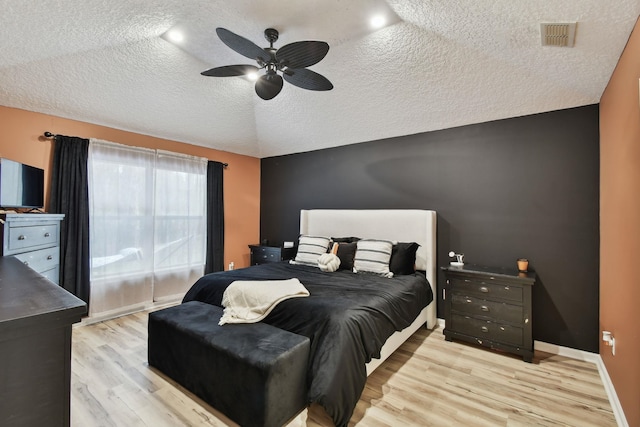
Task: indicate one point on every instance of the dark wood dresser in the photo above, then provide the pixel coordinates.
(35, 347)
(261, 254)
(490, 307)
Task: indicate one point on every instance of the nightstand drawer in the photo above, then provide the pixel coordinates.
(41, 260)
(484, 329)
(488, 290)
(473, 306)
(26, 237)
(265, 254)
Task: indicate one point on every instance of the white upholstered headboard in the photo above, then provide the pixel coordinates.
(402, 225)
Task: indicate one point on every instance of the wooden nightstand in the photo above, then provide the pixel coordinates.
(263, 254)
(490, 307)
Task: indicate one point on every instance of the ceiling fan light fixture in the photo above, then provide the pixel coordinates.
(291, 60)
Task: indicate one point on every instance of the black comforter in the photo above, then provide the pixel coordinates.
(347, 317)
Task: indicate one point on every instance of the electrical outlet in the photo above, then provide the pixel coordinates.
(609, 341)
(231, 265)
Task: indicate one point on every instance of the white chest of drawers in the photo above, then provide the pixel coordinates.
(35, 240)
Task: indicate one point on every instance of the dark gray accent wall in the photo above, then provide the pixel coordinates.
(521, 187)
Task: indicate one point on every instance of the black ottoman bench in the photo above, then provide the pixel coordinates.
(253, 373)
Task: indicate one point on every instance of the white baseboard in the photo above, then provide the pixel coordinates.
(566, 351)
(585, 356)
(611, 393)
(112, 314)
(594, 358)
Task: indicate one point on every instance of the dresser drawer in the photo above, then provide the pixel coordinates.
(53, 274)
(485, 329)
(41, 260)
(472, 306)
(487, 290)
(33, 236)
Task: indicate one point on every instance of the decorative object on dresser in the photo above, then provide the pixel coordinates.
(490, 307)
(523, 264)
(459, 262)
(261, 254)
(35, 240)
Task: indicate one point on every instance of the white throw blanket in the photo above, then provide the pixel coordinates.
(250, 301)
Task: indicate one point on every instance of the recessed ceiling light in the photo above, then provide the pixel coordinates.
(175, 36)
(378, 21)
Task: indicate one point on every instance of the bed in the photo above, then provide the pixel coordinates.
(354, 321)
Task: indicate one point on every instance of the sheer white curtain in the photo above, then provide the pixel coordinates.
(147, 224)
(180, 230)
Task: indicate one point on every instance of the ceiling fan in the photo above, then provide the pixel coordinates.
(290, 60)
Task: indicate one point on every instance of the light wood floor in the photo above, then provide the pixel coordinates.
(427, 382)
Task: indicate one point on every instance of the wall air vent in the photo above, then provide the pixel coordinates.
(558, 34)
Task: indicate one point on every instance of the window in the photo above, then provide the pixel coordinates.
(147, 222)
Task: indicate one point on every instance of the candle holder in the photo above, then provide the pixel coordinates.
(523, 265)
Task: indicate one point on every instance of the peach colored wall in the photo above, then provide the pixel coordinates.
(21, 139)
(620, 226)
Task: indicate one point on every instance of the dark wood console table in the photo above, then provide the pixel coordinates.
(35, 347)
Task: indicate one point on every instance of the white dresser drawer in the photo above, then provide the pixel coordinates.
(34, 239)
(33, 236)
(41, 260)
(53, 274)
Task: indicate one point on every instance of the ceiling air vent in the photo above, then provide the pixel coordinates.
(558, 34)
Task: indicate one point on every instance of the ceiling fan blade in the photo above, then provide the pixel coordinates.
(302, 54)
(307, 79)
(241, 45)
(268, 85)
(230, 71)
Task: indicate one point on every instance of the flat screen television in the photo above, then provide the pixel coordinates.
(21, 186)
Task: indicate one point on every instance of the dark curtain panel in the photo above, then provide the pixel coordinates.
(70, 196)
(215, 218)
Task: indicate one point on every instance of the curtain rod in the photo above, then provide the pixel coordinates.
(48, 134)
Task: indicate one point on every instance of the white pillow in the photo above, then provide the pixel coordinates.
(373, 256)
(309, 250)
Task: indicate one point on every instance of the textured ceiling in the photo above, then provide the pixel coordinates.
(439, 64)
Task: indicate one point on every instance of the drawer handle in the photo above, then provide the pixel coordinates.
(502, 328)
(484, 289)
(484, 329)
(469, 301)
(484, 308)
(50, 257)
(22, 237)
(506, 288)
(47, 234)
